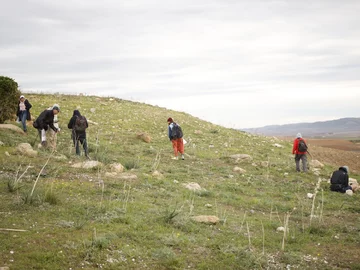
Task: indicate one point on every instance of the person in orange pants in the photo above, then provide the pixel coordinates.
(175, 135)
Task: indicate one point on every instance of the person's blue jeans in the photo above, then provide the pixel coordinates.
(22, 118)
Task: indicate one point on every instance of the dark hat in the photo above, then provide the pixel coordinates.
(55, 107)
(170, 119)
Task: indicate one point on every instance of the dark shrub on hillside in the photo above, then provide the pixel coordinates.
(9, 97)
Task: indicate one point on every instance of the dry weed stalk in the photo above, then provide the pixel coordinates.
(248, 233)
(286, 221)
(37, 179)
(322, 206)
(127, 196)
(263, 232)
(274, 212)
(242, 223)
(157, 161)
(14, 184)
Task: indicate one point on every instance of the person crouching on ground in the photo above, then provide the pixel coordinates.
(339, 180)
(175, 136)
(23, 111)
(300, 149)
(44, 121)
(78, 124)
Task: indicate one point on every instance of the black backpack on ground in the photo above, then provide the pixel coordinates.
(176, 131)
(302, 147)
(80, 123)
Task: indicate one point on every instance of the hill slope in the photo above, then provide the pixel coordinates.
(144, 217)
(344, 127)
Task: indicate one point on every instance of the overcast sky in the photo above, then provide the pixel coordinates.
(236, 63)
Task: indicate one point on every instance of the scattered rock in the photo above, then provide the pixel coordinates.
(7, 154)
(198, 132)
(92, 122)
(316, 164)
(352, 181)
(193, 186)
(264, 163)
(280, 229)
(206, 219)
(87, 164)
(143, 136)
(12, 127)
(127, 176)
(92, 110)
(349, 192)
(241, 157)
(208, 205)
(278, 145)
(111, 174)
(1, 143)
(310, 195)
(239, 170)
(117, 168)
(26, 150)
(157, 174)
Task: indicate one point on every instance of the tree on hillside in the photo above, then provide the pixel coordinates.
(9, 97)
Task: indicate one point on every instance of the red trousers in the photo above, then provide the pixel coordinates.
(178, 146)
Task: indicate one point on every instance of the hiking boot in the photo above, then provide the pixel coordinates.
(182, 157)
(176, 158)
(43, 143)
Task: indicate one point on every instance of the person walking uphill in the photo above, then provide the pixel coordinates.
(175, 135)
(23, 111)
(300, 150)
(78, 124)
(44, 121)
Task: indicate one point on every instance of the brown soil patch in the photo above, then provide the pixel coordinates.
(335, 152)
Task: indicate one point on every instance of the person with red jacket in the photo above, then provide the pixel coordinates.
(300, 150)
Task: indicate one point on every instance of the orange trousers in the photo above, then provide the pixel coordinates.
(178, 146)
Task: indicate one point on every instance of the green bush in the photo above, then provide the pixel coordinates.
(9, 96)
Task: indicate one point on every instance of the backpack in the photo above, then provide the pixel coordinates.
(176, 132)
(80, 123)
(302, 147)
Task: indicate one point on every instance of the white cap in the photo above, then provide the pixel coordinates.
(298, 135)
(22, 97)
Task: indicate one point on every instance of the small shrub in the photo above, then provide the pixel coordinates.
(51, 198)
(9, 97)
(131, 164)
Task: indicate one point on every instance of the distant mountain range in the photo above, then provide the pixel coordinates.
(344, 127)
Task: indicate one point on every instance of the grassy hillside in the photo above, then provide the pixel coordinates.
(82, 218)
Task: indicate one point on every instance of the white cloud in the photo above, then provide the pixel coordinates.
(236, 63)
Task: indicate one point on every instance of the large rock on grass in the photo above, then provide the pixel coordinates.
(26, 150)
(12, 127)
(206, 219)
(89, 164)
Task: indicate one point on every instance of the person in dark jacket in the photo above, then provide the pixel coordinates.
(78, 133)
(340, 180)
(23, 111)
(44, 121)
(299, 155)
(177, 142)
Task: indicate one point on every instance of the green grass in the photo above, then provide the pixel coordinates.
(85, 219)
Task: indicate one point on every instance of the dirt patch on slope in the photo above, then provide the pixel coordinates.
(336, 152)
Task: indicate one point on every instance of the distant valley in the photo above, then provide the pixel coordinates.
(339, 128)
